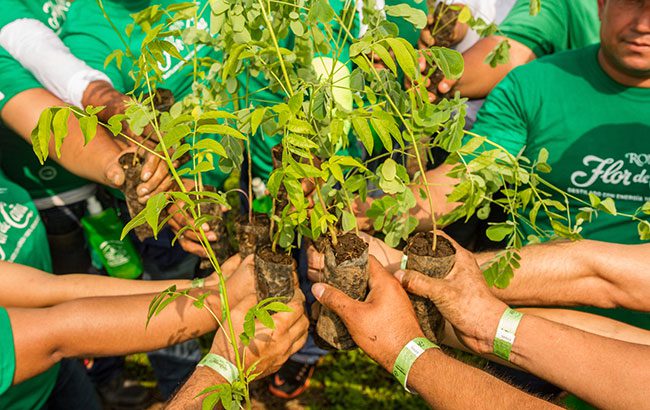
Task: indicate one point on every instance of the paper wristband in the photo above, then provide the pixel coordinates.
(407, 357)
(404, 260)
(506, 330)
(198, 283)
(220, 365)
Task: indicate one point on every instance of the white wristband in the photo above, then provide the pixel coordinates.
(220, 365)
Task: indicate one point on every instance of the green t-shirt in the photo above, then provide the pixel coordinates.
(595, 130)
(20, 162)
(560, 25)
(90, 37)
(22, 240)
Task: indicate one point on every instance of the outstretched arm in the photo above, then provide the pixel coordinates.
(114, 325)
(386, 322)
(592, 273)
(26, 287)
(588, 362)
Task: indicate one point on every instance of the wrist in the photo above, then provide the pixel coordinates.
(488, 325)
(387, 361)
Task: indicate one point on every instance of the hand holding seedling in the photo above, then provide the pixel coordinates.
(462, 297)
(188, 240)
(155, 178)
(388, 257)
(383, 323)
(240, 282)
(270, 347)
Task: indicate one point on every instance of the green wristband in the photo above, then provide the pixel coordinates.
(505, 337)
(198, 283)
(407, 357)
(220, 365)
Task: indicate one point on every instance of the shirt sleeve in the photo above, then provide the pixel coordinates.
(84, 34)
(545, 33)
(503, 118)
(7, 355)
(33, 44)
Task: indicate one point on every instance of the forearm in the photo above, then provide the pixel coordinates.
(103, 327)
(604, 372)
(188, 397)
(446, 383)
(579, 273)
(23, 286)
(21, 114)
(480, 78)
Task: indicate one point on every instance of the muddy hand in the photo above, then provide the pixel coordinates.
(462, 297)
(270, 347)
(181, 218)
(155, 178)
(384, 323)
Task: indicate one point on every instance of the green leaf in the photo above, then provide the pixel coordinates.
(414, 16)
(543, 156)
(60, 128)
(362, 129)
(300, 127)
(278, 307)
(88, 127)
(535, 7)
(321, 11)
(385, 56)
(265, 318)
(208, 144)
(644, 230)
(499, 55)
(497, 232)
(349, 221)
(404, 55)
(256, 118)
(608, 205)
(220, 130)
(41, 135)
(389, 169)
(449, 61)
(155, 205)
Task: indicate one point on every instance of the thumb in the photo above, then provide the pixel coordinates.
(420, 284)
(446, 85)
(334, 299)
(115, 175)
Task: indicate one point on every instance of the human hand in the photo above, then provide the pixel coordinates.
(462, 297)
(270, 348)
(388, 257)
(384, 323)
(155, 178)
(240, 278)
(181, 218)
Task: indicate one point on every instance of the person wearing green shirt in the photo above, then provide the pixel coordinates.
(588, 108)
(560, 25)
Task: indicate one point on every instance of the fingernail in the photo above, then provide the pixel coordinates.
(318, 290)
(205, 227)
(399, 275)
(212, 236)
(146, 176)
(143, 191)
(443, 87)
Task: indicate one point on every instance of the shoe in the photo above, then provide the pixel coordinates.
(118, 394)
(291, 380)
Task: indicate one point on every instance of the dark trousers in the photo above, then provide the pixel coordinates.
(73, 389)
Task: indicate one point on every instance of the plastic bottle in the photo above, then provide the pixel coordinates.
(103, 229)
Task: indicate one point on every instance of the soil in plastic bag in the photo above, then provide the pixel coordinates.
(436, 264)
(274, 274)
(346, 268)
